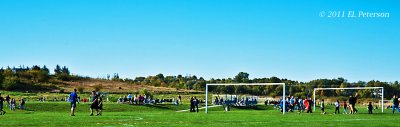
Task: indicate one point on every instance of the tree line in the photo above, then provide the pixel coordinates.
(22, 77)
(25, 78)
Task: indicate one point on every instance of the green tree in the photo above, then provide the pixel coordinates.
(242, 77)
(1, 78)
(342, 85)
(8, 72)
(43, 74)
(144, 91)
(139, 79)
(57, 70)
(10, 83)
(65, 70)
(115, 77)
(45, 69)
(35, 68)
(160, 76)
(62, 73)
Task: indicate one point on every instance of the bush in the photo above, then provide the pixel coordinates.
(272, 95)
(63, 77)
(80, 89)
(98, 87)
(300, 95)
(10, 83)
(144, 91)
(1, 80)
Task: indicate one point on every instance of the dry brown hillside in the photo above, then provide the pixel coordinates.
(113, 86)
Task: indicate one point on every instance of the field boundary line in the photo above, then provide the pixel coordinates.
(199, 108)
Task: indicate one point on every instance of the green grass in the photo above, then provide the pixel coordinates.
(57, 114)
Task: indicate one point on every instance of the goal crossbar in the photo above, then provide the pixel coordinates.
(350, 88)
(248, 84)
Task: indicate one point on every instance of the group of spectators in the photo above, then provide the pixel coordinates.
(244, 101)
(194, 104)
(351, 106)
(294, 103)
(302, 105)
(66, 99)
(11, 103)
(141, 100)
(218, 101)
(134, 100)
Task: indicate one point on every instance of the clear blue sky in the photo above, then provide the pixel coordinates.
(208, 38)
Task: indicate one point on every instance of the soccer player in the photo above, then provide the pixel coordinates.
(1, 105)
(351, 101)
(337, 105)
(344, 107)
(291, 104)
(395, 101)
(308, 104)
(12, 104)
(354, 103)
(301, 105)
(100, 101)
(192, 104)
(7, 99)
(180, 99)
(323, 107)
(22, 104)
(95, 104)
(129, 98)
(73, 97)
(196, 104)
(297, 103)
(370, 108)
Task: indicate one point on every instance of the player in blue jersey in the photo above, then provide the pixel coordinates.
(73, 98)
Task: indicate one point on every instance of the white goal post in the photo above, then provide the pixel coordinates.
(248, 84)
(350, 88)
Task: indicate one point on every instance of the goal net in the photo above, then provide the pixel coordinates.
(248, 84)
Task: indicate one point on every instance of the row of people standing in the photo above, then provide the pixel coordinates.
(351, 106)
(11, 103)
(133, 99)
(292, 103)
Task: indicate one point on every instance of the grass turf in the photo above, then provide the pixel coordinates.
(57, 114)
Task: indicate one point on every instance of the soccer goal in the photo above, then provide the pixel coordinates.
(352, 88)
(248, 84)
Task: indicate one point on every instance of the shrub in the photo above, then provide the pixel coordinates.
(80, 89)
(144, 91)
(10, 83)
(98, 87)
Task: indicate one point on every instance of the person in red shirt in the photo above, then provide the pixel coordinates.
(306, 104)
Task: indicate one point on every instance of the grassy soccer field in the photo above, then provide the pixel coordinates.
(56, 114)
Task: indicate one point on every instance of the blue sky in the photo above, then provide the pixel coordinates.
(208, 38)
